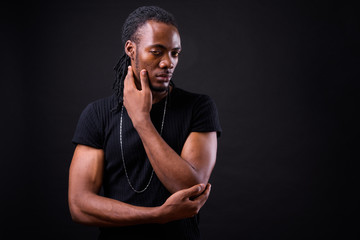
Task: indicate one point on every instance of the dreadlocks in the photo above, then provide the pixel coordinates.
(134, 21)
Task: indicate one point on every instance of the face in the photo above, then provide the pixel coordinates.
(157, 50)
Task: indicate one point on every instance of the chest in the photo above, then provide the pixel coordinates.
(176, 127)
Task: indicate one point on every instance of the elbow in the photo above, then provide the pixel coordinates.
(78, 216)
(75, 217)
(201, 181)
(201, 177)
(197, 180)
(189, 182)
(75, 211)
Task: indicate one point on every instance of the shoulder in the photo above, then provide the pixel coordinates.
(99, 110)
(92, 122)
(201, 108)
(103, 105)
(192, 98)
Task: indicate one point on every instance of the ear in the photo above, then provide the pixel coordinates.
(130, 49)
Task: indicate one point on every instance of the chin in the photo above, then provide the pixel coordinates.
(161, 88)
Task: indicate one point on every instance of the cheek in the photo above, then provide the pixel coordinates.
(151, 67)
(176, 62)
(148, 62)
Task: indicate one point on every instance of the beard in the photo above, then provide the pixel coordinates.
(158, 89)
(152, 88)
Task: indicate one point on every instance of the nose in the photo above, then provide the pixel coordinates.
(167, 62)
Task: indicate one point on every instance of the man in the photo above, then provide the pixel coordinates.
(151, 146)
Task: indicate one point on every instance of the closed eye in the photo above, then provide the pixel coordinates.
(175, 53)
(155, 52)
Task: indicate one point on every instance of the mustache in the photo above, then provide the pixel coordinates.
(164, 74)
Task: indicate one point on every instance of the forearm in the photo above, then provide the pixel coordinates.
(173, 171)
(176, 172)
(87, 207)
(92, 209)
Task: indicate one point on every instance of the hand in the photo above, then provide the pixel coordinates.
(185, 203)
(138, 103)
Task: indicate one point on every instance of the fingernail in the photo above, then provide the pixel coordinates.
(143, 72)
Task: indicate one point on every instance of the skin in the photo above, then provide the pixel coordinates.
(198, 155)
(87, 207)
(153, 60)
(157, 53)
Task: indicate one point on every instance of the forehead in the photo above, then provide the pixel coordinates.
(158, 33)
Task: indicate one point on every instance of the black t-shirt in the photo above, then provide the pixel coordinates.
(99, 127)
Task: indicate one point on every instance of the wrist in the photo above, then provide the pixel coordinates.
(141, 122)
(159, 215)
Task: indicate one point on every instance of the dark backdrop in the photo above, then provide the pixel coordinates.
(284, 77)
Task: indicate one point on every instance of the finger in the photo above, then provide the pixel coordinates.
(194, 191)
(205, 195)
(129, 79)
(144, 79)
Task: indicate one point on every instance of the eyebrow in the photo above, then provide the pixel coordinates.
(163, 47)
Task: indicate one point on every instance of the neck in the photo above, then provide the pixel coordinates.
(158, 96)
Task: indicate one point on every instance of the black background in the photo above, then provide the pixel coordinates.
(284, 76)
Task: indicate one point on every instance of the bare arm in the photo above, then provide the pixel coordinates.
(87, 207)
(193, 166)
(198, 155)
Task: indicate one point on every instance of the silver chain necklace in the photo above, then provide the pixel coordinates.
(122, 151)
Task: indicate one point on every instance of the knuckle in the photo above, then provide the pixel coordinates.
(196, 211)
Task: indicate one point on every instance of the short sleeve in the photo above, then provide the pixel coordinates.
(88, 130)
(205, 116)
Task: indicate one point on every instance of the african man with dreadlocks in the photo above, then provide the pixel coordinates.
(150, 146)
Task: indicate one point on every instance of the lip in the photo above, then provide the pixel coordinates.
(164, 77)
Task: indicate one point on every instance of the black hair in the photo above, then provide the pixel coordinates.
(134, 21)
